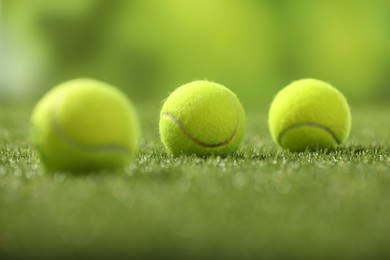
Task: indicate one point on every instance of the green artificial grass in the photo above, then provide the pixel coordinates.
(261, 202)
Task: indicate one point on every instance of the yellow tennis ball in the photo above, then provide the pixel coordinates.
(309, 114)
(84, 124)
(202, 118)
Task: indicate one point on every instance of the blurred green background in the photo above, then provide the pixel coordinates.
(149, 47)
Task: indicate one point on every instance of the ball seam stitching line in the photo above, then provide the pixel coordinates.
(196, 141)
(193, 139)
(314, 125)
(110, 148)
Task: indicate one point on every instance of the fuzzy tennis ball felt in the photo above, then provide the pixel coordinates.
(202, 118)
(309, 114)
(83, 125)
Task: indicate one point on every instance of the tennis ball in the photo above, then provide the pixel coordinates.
(84, 124)
(202, 118)
(309, 114)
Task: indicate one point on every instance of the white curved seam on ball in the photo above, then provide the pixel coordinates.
(193, 139)
(64, 137)
(314, 125)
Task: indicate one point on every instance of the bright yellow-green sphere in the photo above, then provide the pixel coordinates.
(309, 114)
(202, 118)
(83, 125)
